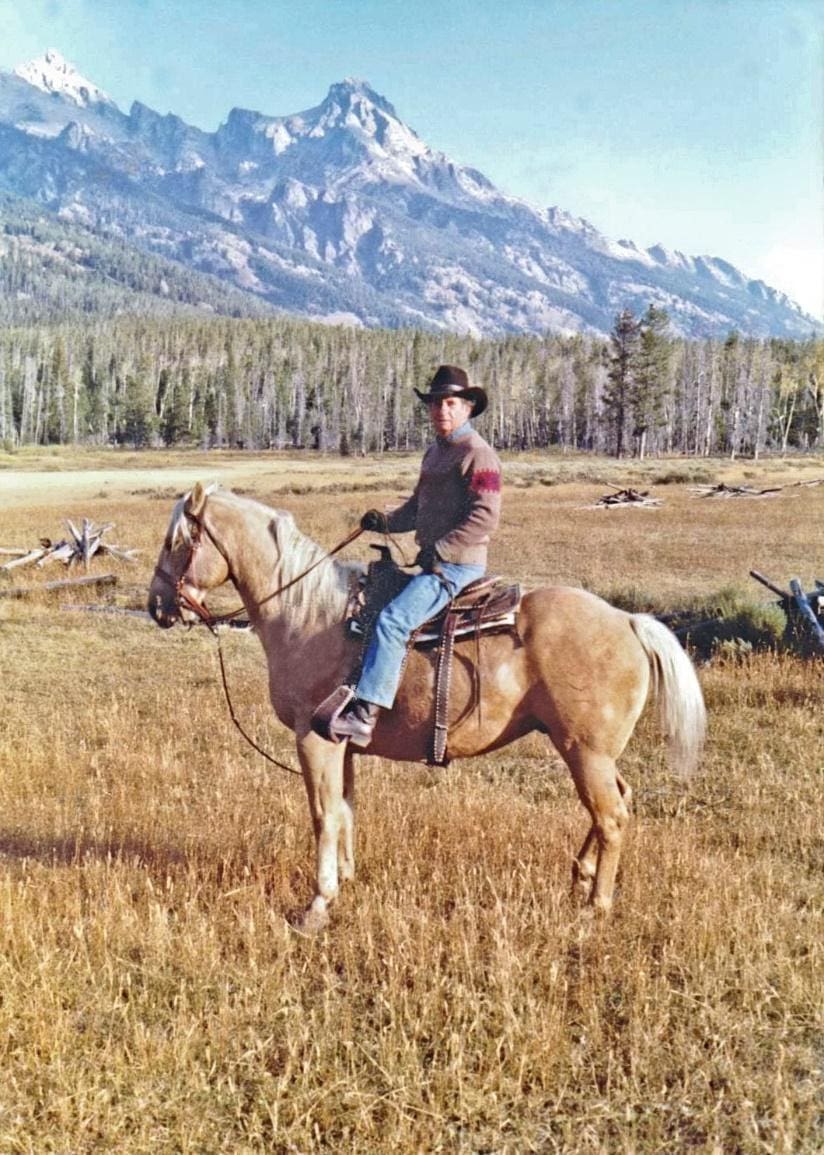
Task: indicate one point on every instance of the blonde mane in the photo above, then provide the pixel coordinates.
(323, 591)
(321, 594)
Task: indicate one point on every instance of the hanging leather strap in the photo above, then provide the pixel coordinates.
(443, 677)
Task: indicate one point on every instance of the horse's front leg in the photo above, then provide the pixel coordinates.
(347, 833)
(332, 818)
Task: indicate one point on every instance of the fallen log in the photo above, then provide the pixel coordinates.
(806, 612)
(724, 490)
(759, 577)
(120, 554)
(27, 559)
(63, 551)
(81, 546)
(118, 610)
(106, 579)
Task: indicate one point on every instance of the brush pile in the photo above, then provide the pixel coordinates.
(627, 497)
(724, 490)
(76, 550)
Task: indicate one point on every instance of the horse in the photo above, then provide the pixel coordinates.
(573, 667)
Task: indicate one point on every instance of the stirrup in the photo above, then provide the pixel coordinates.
(330, 710)
(355, 724)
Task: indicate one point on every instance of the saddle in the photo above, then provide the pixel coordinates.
(486, 605)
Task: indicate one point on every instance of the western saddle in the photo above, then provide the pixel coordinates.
(486, 605)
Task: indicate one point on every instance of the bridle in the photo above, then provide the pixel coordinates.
(197, 528)
(184, 600)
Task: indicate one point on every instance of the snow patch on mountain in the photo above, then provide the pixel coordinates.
(52, 73)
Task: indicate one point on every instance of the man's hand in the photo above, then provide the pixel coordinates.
(429, 560)
(373, 521)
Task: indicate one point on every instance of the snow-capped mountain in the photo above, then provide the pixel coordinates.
(52, 74)
(343, 212)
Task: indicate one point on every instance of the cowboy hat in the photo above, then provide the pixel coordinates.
(451, 381)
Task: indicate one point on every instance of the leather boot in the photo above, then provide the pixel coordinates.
(357, 722)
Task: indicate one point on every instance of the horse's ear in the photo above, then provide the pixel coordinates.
(282, 521)
(196, 500)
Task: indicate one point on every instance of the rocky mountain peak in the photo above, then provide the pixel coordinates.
(52, 73)
(343, 209)
(356, 96)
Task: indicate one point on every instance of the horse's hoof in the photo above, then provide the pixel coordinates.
(313, 920)
(582, 882)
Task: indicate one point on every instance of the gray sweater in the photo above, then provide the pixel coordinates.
(456, 504)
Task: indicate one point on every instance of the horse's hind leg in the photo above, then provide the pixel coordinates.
(606, 795)
(585, 862)
(584, 865)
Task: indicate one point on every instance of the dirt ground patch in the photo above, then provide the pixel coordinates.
(33, 478)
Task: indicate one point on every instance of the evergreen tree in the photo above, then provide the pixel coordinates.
(624, 344)
(650, 385)
(55, 383)
(92, 382)
(173, 423)
(138, 413)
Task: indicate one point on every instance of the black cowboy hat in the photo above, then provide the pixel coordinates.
(451, 381)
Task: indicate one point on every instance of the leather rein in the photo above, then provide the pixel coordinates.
(198, 608)
(212, 621)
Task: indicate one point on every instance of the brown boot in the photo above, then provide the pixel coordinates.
(357, 722)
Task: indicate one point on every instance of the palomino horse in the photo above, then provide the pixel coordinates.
(576, 669)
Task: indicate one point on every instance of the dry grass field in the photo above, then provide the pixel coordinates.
(153, 997)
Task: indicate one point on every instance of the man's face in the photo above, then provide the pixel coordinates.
(448, 414)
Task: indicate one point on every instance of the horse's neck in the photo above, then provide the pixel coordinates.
(262, 567)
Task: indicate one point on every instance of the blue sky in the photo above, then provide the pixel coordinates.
(695, 123)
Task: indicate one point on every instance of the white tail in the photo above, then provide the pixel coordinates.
(681, 710)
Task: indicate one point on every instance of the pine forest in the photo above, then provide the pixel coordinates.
(271, 382)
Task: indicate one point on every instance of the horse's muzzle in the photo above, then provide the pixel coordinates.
(160, 614)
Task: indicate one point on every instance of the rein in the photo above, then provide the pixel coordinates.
(233, 716)
(212, 621)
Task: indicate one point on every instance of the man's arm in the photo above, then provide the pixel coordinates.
(483, 506)
(404, 518)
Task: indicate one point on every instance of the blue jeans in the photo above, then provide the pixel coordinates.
(424, 597)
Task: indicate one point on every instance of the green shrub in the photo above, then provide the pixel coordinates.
(724, 624)
(691, 475)
(634, 600)
(739, 631)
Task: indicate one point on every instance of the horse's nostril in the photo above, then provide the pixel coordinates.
(158, 614)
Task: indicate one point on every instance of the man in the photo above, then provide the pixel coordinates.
(454, 509)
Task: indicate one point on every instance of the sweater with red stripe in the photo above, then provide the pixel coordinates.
(456, 504)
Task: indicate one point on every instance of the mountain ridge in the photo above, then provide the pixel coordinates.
(343, 210)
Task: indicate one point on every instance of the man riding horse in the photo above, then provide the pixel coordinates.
(454, 509)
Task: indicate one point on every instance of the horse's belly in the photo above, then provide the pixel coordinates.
(484, 701)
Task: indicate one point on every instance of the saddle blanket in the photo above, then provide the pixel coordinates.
(426, 636)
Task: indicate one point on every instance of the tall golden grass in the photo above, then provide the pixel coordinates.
(153, 997)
